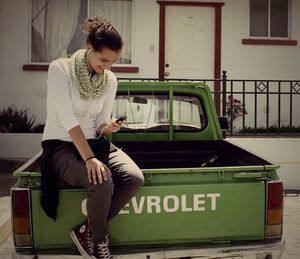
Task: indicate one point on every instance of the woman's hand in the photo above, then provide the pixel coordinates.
(97, 171)
(110, 127)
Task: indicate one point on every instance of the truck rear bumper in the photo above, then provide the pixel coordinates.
(258, 251)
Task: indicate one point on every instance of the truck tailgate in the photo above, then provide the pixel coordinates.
(196, 207)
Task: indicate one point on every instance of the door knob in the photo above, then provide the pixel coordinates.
(167, 65)
(167, 73)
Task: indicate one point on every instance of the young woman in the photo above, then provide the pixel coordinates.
(80, 98)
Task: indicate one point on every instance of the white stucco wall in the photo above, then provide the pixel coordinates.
(256, 61)
(28, 89)
(19, 146)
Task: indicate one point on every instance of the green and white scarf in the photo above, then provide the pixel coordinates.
(87, 86)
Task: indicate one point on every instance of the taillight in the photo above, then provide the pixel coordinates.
(21, 225)
(274, 209)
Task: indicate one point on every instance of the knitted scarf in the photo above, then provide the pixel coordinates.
(87, 86)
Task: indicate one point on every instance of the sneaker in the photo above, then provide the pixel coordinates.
(101, 250)
(82, 239)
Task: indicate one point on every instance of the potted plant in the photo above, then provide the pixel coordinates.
(235, 109)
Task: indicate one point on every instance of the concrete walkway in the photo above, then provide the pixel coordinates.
(291, 227)
(290, 233)
(5, 222)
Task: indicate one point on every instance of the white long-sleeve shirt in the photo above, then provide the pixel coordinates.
(65, 108)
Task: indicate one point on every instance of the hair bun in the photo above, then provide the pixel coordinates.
(101, 33)
(92, 24)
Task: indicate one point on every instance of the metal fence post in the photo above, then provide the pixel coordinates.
(224, 81)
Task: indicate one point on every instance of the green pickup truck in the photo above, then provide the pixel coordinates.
(203, 197)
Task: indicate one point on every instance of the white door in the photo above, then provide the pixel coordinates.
(190, 42)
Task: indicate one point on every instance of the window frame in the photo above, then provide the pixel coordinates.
(44, 66)
(269, 40)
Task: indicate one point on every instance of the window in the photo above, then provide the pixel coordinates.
(151, 113)
(187, 110)
(55, 26)
(269, 18)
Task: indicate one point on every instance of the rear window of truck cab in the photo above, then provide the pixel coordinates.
(155, 112)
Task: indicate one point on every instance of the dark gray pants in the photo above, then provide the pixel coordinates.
(104, 200)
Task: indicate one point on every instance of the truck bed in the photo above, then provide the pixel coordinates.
(189, 154)
(181, 154)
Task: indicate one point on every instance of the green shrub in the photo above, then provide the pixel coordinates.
(38, 128)
(15, 120)
(271, 129)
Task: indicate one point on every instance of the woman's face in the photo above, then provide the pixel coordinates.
(101, 60)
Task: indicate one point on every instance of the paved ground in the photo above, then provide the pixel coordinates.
(291, 232)
(6, 178)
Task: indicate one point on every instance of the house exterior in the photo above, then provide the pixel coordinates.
(168, 39)
(250, 39)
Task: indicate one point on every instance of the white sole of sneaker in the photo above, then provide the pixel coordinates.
(79, 247)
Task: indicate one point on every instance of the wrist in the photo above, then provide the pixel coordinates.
(89, 158)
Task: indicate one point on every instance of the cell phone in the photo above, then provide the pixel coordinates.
(121, 119)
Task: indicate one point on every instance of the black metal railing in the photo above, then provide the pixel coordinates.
(255, 107)
(265, 107)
